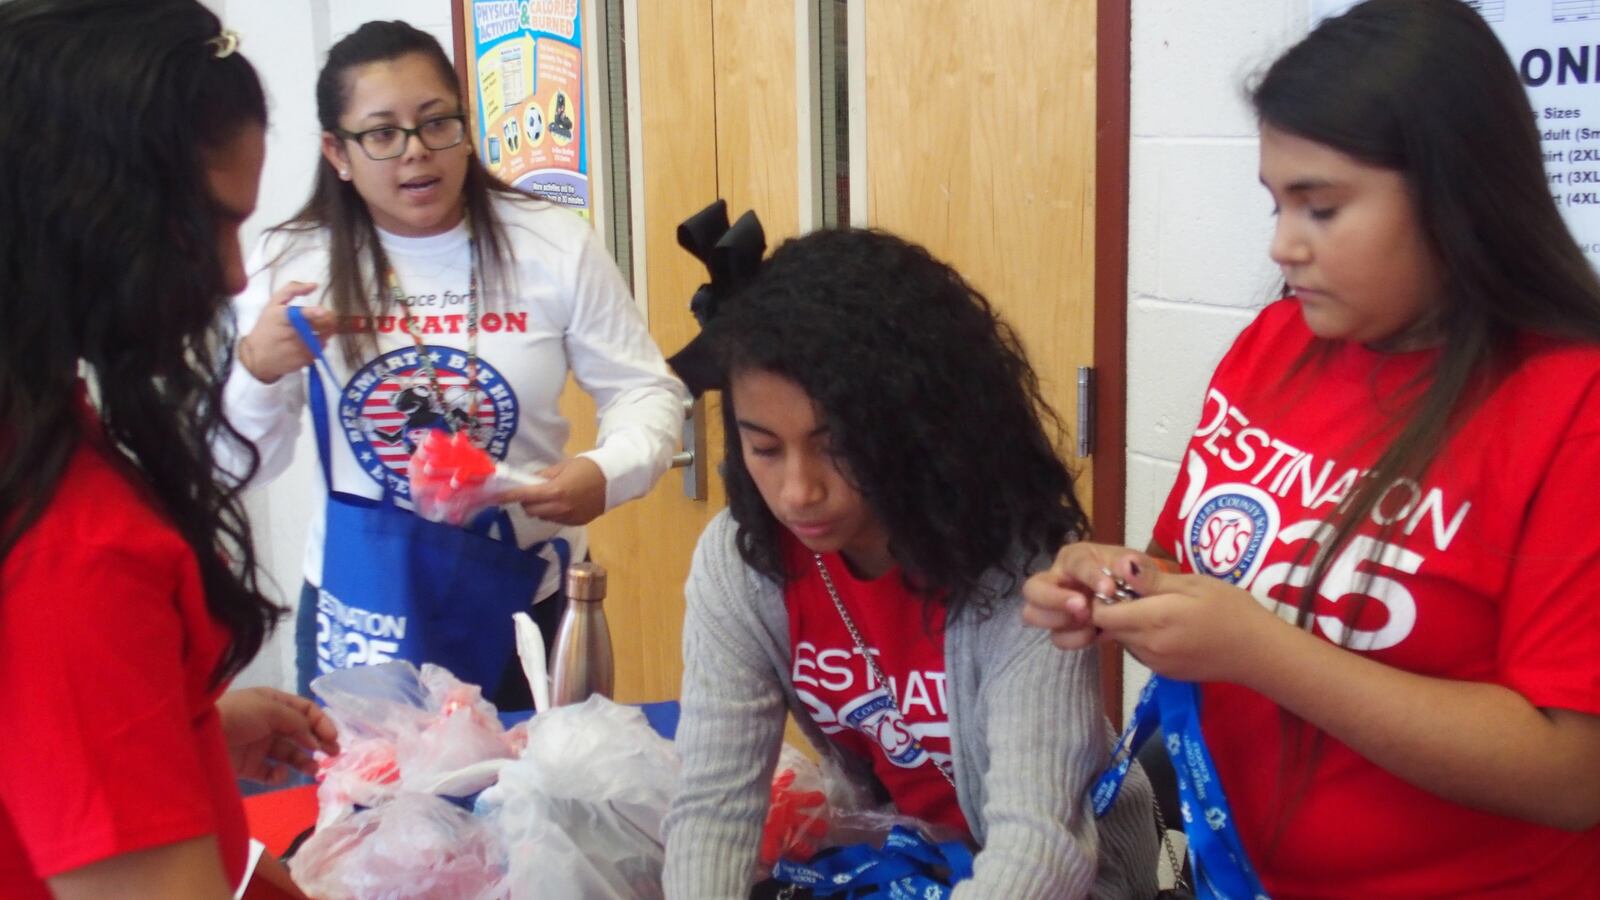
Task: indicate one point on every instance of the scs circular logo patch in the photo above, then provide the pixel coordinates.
(390, 403)
(1229, 529)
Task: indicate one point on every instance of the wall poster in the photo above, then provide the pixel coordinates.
(523, 65)
(1555, 45)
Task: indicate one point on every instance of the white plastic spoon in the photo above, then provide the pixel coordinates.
(530, 650)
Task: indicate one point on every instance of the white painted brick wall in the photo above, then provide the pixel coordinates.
(432, 16)
(1198, 223)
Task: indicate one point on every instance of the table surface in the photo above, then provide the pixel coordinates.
(662, 716)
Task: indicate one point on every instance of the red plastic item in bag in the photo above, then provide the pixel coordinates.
(449, 476)
(452, 479)
(797, 821)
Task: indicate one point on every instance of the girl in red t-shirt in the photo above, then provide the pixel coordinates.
(1379, 559)
(131, 142)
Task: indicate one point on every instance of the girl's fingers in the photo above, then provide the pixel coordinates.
(546, 509)
(286, 753)
(1045, 589)
(1074, 639)
(529, 495)
(1084, 566)
(322, 321)
(290, 290)
(1045, 593)
(1149, 618)
(1131, 568)
(312, 729)
(1049, 616)
(1125, 621)
(325, 731)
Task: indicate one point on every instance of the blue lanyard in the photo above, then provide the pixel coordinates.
(902, 870)
(1221, 867)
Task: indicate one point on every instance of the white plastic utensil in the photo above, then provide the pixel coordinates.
(508, 476)
(530, 650)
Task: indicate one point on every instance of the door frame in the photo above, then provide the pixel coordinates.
(1113, 83)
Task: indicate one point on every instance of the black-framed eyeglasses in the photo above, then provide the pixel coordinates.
(389, 141)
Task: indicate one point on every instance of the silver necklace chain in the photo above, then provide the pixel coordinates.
(877, 672)
(872, 662)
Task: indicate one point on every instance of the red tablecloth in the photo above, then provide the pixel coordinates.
(278, 817)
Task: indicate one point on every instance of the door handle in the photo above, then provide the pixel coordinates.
(692, 458)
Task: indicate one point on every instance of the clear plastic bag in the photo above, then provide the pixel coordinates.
(452, 480)
(872, 826)
(817, 806)
(414, 846)
(406, 730)
(580, 811)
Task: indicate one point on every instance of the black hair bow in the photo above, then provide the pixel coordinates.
(732, 256)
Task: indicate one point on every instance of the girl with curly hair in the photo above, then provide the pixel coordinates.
(892, 475)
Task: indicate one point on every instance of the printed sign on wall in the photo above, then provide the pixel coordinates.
(525, 68)
(1555, 45)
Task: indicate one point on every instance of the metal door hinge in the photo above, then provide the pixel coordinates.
(1086, 394)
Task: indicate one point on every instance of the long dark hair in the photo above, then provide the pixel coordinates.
(353, 287)
(110, 257)
(1423, 87)
(931, 405)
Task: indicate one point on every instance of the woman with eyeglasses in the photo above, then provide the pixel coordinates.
(445, 300)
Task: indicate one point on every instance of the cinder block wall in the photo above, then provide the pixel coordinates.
(1198, 223)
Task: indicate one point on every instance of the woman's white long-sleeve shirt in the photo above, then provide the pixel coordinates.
(565, 308)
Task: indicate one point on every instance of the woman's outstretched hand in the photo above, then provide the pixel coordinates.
(574, 493)
(270, 732)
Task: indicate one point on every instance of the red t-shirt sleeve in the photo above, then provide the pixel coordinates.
(1550, 622)
(99, 758)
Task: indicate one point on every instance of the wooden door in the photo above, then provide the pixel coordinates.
(980, 134)
(717, 117)
(996, 135)
(980, 144)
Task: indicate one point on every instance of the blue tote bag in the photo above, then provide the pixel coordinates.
(396, 586)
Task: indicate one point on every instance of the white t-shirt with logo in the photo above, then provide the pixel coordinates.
(568, 309)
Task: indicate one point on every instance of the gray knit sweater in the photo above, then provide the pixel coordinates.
(1028, 737)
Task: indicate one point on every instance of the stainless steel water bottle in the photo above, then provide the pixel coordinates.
(583, 663)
